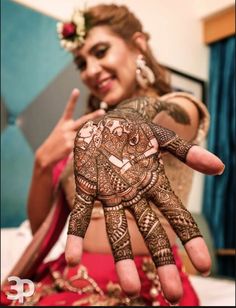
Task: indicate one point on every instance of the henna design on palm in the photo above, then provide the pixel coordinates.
(117, 160)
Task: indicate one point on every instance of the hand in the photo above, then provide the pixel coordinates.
(60, 142)
(118, 162)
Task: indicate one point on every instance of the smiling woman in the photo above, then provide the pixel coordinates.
(104, 49)
(125, 156)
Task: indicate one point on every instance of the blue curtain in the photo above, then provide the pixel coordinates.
(219, 194)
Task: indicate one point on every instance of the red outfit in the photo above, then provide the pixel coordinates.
(95, 282)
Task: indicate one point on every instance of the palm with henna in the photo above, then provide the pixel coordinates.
(117, 160)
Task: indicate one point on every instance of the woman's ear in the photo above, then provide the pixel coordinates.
(140, 41)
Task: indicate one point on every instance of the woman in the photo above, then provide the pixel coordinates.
(111, 51)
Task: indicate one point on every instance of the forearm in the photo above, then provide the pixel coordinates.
(41, 192)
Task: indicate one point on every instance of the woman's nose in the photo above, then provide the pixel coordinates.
(93, 69)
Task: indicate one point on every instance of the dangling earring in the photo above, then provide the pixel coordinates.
(144, 75)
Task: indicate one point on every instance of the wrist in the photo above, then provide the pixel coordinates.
(42, 161)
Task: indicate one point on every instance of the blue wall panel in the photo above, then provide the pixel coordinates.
(31, 55)
(16, 169)
(31, 58)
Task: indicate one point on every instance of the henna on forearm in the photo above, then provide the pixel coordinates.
(173, 110)
(149, 107)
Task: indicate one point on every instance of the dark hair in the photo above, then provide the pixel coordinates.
(124, 23)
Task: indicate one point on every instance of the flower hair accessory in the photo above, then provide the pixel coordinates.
(72, 33)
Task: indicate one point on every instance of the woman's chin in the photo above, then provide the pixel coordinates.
(113, 98)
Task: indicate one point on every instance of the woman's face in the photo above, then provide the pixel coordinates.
(107, 65)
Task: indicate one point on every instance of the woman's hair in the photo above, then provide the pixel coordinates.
(124, 23)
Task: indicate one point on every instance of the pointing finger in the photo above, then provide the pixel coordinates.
(70, 106)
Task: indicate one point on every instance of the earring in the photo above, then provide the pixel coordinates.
(144, 75)
(103, 105)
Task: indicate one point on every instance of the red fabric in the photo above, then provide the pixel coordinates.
(57, 170)
(4, 300)
(57, 222)
(101, 268)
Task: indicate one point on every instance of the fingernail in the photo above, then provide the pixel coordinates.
(206, 274)
(222, 170)
(173, 303)
(75, 90)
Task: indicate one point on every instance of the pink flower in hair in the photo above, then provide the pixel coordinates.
(68, 30)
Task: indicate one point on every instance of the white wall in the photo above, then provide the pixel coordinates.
(206, 8)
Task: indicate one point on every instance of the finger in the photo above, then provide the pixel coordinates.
(78, 223)
(204, 161)
(87, 117)
(194, 156)
(117, 231)
(118, 235)
(70, 106)
(181, 221)
(170, 282)
(153, 233)
(158, 244)
(73, 250)
(128, 277)
(198, 253)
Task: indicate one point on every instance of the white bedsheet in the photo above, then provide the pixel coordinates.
(211, 291)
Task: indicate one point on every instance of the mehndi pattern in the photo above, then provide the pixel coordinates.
(117, 160)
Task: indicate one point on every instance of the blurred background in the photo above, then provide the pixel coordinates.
(194, 38)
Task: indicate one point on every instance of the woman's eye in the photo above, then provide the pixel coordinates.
(100, 53)
(81, 65)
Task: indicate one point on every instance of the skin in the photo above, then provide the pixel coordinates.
(57, 146)
(107, 68)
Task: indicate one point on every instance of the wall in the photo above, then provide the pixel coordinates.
(175, 29)
(204, 9)
(176, 36)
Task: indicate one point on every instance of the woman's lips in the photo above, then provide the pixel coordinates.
(105, 85)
